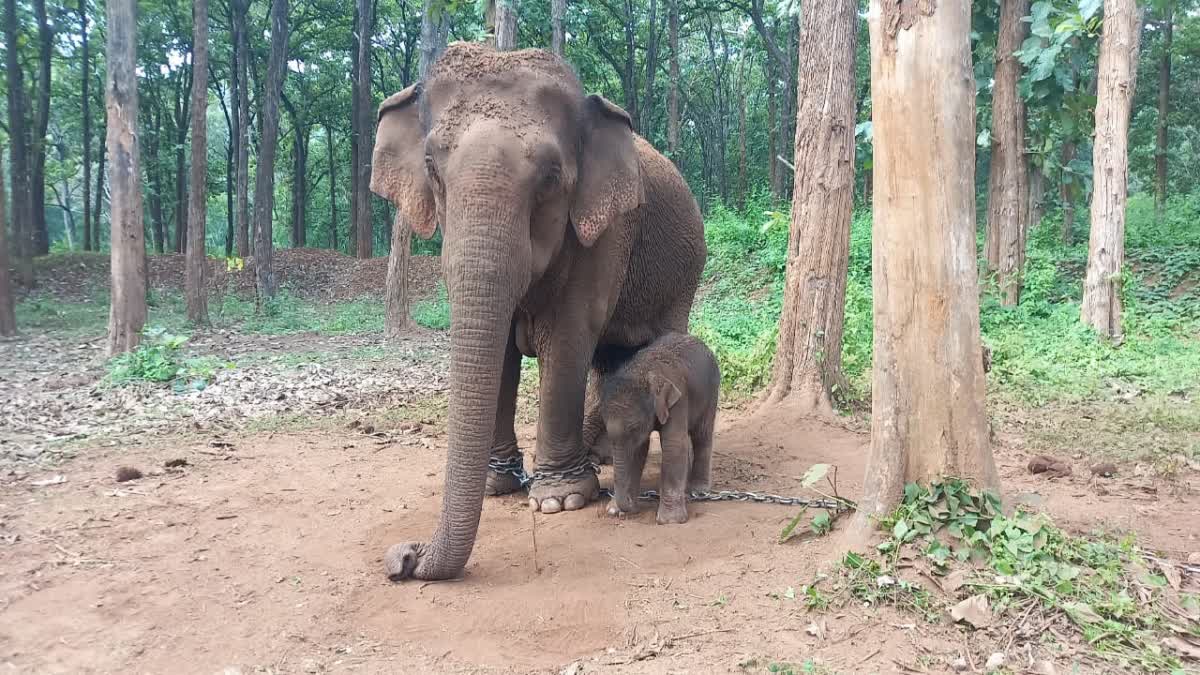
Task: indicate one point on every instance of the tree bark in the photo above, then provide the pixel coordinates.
(264, 187)
(100, 174)
(197, 258)
(181, 117)
(1035, 207)
(355, 121)
(366, 135)
(1164, 109)
(85, 81)
(333, 233)
(808, 359)
(673, 101)
(1007, 180)
(1066, 192)
(300, 184)
(772, 133)
(396, 319)
(19, 151)
(558, 36)
(1110, 166)
(8, 321)
(506, 25)
(928, 418)
(41, 122)
(742, 186)
(435, 30)
(127, 313)
(242, 96)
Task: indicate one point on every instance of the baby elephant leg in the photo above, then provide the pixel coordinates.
(673, 483)
(628, 464)
(702, 442)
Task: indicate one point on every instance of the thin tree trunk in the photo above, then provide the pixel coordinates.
(355, 121)
(742, 186)
(1035, 207)
(8, 321)
(182, 109)
(1067, 192)
(808, 359)
(100, 174)
(772, 134)
(673, 102)
(366, 136)
(506, 25)
(397, 279)
(127, 314)
(85, 81)
(197, 296)
(242, 96)
(333, 230)
(41, 122)
(264, 188)
(650, 99)
(927, 410)
(154, 177)
(1110, 166)
(558, 37)
(300, 185)
(1007, 181)
(19, 157)
(1164, 109)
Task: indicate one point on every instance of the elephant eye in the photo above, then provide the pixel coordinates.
(431, 170)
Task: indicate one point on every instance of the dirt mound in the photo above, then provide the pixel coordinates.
(313, 274)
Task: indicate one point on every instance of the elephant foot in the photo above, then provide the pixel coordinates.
(501, 484)
(621, 507)
(403, 560)
(506, 469)
(672, 511)
(563, 494)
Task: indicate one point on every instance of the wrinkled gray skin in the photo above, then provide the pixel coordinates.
(566, 237)
(671, 386)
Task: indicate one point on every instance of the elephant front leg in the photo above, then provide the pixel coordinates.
(506, 462)
(565, 478)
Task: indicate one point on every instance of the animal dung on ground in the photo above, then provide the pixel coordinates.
(175, 463)
(1104, 470)
(1051, 466)
(127, 473)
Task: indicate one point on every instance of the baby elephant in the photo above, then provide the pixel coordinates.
(670, 386)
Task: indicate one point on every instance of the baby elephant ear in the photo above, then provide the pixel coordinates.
(666, 395)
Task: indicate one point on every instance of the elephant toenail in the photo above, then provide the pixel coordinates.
(574, 502)
(551, 505)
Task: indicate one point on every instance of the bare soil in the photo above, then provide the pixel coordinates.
(262, 554)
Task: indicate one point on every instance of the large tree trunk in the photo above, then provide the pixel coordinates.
(673, 101)
(333, 230)
(264, 187)
(435, 30)
(1007, 181)
(85, 99)
(808, 359)
(127, 314)
(41, 122)
(8, 321)
(242, 96)
(927, 408)
(558, 16)
(366, 135)
(19, 137)
(1164, 108)
(396, 320)
(1110, 166)
(506, 25)
(197, 297)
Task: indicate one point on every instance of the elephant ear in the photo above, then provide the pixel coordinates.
(398, 163)
(610, 176)
(666, 395)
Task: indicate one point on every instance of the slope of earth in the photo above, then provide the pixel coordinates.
(261, 553)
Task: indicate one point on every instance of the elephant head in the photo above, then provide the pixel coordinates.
(507, 155)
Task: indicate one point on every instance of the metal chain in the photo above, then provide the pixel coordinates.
(515, 466)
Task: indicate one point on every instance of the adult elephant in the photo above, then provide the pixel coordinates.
(566, 237)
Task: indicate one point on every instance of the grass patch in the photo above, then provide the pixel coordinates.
(433, 313)
(158, 360)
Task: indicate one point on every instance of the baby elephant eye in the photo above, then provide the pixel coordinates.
(431, 169)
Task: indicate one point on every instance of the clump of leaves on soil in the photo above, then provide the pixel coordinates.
(983, 568)
(158, 359)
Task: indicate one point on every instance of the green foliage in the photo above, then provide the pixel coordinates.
(157, 360)
(435, 312)
(1112, 593)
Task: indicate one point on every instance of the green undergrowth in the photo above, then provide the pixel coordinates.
(951, 554)
(158, 359)
(433, 312)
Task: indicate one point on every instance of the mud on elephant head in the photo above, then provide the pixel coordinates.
(501, 150)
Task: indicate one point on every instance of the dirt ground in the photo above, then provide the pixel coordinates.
(262, 554)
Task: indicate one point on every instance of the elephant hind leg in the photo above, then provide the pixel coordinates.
(504, 437)
(593, 422)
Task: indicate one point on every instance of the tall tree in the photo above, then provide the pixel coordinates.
(41, 123)
(1117, 77)
(264, 186)
(197, 297)
(19, 158)
(333, 217)
(928, 418)
(808, 359)
(558, 36)
(100, 174)
(435, 30)
(1164, 107)
(85, 81)
(127, 312)
(506, 24)
(181, 107)
(241, 69)
(8, 321)
(673, 96)
(365, 137)
(1007, 179)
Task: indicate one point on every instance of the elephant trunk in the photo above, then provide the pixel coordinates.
(484, 279)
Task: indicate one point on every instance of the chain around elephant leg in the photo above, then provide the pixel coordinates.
(567, 490)
(506, 470)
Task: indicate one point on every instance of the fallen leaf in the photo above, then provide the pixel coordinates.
(1170, 572)
(1081, 612)
(974, 610)
(954, 581)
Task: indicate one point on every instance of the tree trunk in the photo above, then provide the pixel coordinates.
(1035, 207)
(264, 187)
(772, 133)
(333, 230)
(242, 96)
(127, 314)
(182, 108)
(397, 321)
(558, 37)
(673, 102)
(85, 81)
(8, 321)
(1110, 166)
(300, 185)
(197, 258)
(19, 157)
(100, 174)
(355, 120)
(506, 25)
(1066, 191)
(646, 116)
(808, 359)
(366, 135)
(928, 418)
(1007, 182)
(435, 30)
(742, 186)
(41, 122)
(1164, 108)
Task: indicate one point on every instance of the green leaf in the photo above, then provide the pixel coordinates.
(821, 523)
(814, 475)
(900, 530)
(1088, 8)
(790, 528)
